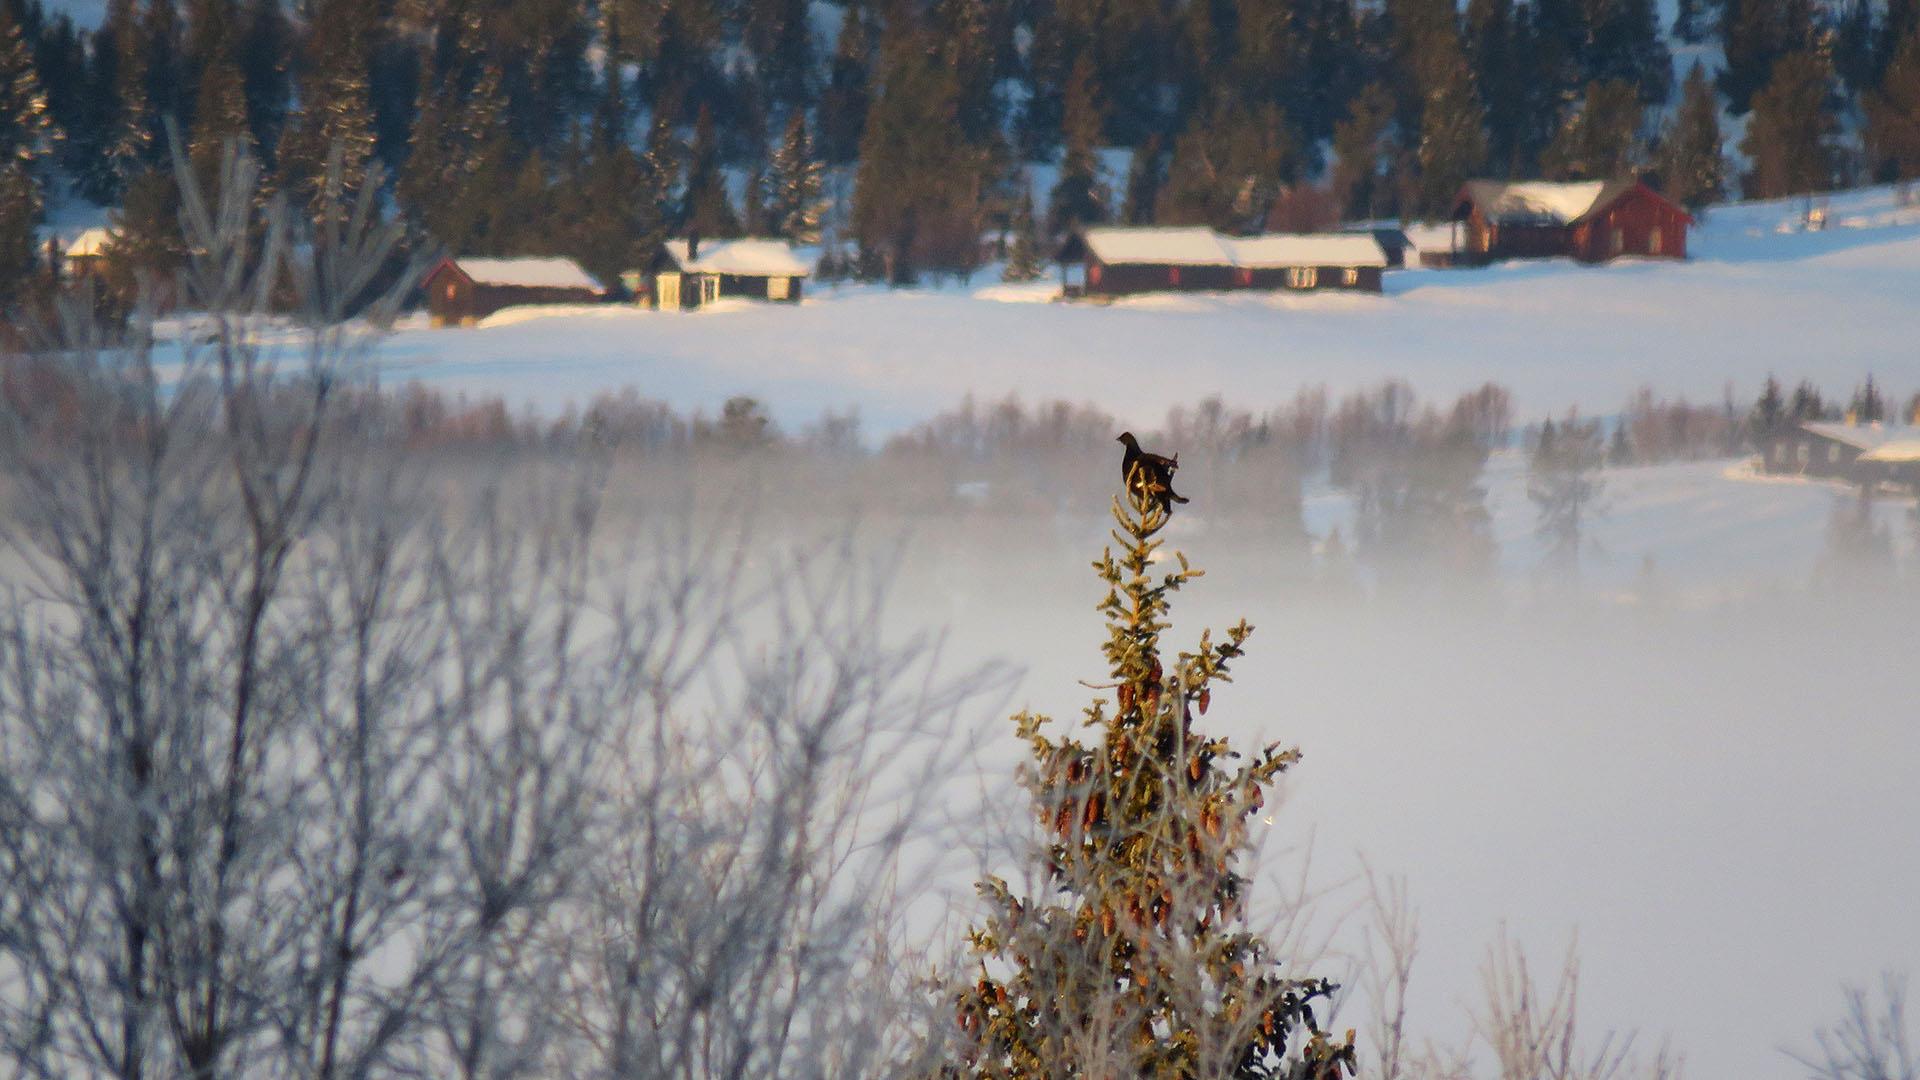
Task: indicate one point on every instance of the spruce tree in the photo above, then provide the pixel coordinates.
(1600, 140)
(266, 45)
(220, 99)
(1135, 958)
(1359, 143)
(1869, 405)
(1693, 166)
(20, 211)
(1564, 485)
(1769, 414)
(1025, 258)
(1145, 175)
(145, 248)
(26, 126)
(133, 147)
(1079, 197)
(335, 115)
(1790, 135)
(843, 104)
(1893, 115)
(793, 211)
(1453, 137)
(1228, 166)
(709, 210)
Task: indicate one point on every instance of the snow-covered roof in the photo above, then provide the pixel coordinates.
(1198, 246)
(1304, 249)
(1901, 446)
(1430, 237)
(749, 257)
(1858, 436)
(531, 273)
(1543, 201)
(1119, 246)
(90, 242)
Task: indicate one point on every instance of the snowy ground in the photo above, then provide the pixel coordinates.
(1759, 296)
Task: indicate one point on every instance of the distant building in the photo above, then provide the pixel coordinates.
(690, 273)
(1118, 261)
(86, 255)
(1592, 221)
(1866, 454)
(461, 292)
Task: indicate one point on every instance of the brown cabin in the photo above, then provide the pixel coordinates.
(1589, 220)
(1118, 261)
(1865, 454)
(461, 292)
(689, 273)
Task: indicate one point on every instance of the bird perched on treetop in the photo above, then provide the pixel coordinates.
(1149, 475)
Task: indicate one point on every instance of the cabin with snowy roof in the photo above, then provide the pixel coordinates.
(1119, 261)
(1589, 220)
(690, 273)
(1870, 454)
(461, 292)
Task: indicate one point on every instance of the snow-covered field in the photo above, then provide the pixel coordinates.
(1759, 295)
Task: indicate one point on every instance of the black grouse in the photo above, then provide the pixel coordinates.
(1149, 475)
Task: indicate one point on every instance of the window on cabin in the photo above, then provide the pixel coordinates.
(1302, 277)
(1654, 240)
(777, 288)
(1244, 276)
(1619, 240)
(1093, 274)
(451, 290)
(1173, 275)
(1351, 276)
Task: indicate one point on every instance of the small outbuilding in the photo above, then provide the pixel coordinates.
(85, 256)
(1119, 261)
(461, 292)
(1589, 220)
(690, 273)
(1895, 462)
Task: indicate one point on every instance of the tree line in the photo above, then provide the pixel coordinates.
(593, 130)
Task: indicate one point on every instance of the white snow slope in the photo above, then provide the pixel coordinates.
(1758, 296)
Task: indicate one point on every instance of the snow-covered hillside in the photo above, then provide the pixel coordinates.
(1760, 295)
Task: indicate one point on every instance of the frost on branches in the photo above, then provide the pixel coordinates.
(1138, 960)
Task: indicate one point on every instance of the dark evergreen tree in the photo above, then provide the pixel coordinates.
(265, 51)
(1790, 136)
(1228, 166)
(1853, 42)
(1807, 403)
(709, 210)
(167, 90)
(1692, 164)
(1079, 197)
(20, 213)
(1619, 451)
(1769, 414)
(780, 39)
(1360, 142)
(1135, 958)
(1893, 116)
(26, 125)
(917, 197)
(1600, 140)
(1869, 405)
(1453, 137)
(335, 112)
(1493, 47)
(220, 99)
(843, 104)
(1026, 259)
(1755, 35)
(1563, 482)
(794, 209)
(134, 145)
(145, 250)
(1625, 43)
(1146, 174)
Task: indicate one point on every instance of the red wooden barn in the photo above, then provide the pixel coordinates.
(1590, 220)
(463, 291)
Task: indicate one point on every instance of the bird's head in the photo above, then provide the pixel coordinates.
(1127, 438)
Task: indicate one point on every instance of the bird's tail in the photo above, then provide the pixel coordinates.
(1175, 498)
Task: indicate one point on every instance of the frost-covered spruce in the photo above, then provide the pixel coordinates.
(1137, 958)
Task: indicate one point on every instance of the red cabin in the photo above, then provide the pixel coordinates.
(1590, 220)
